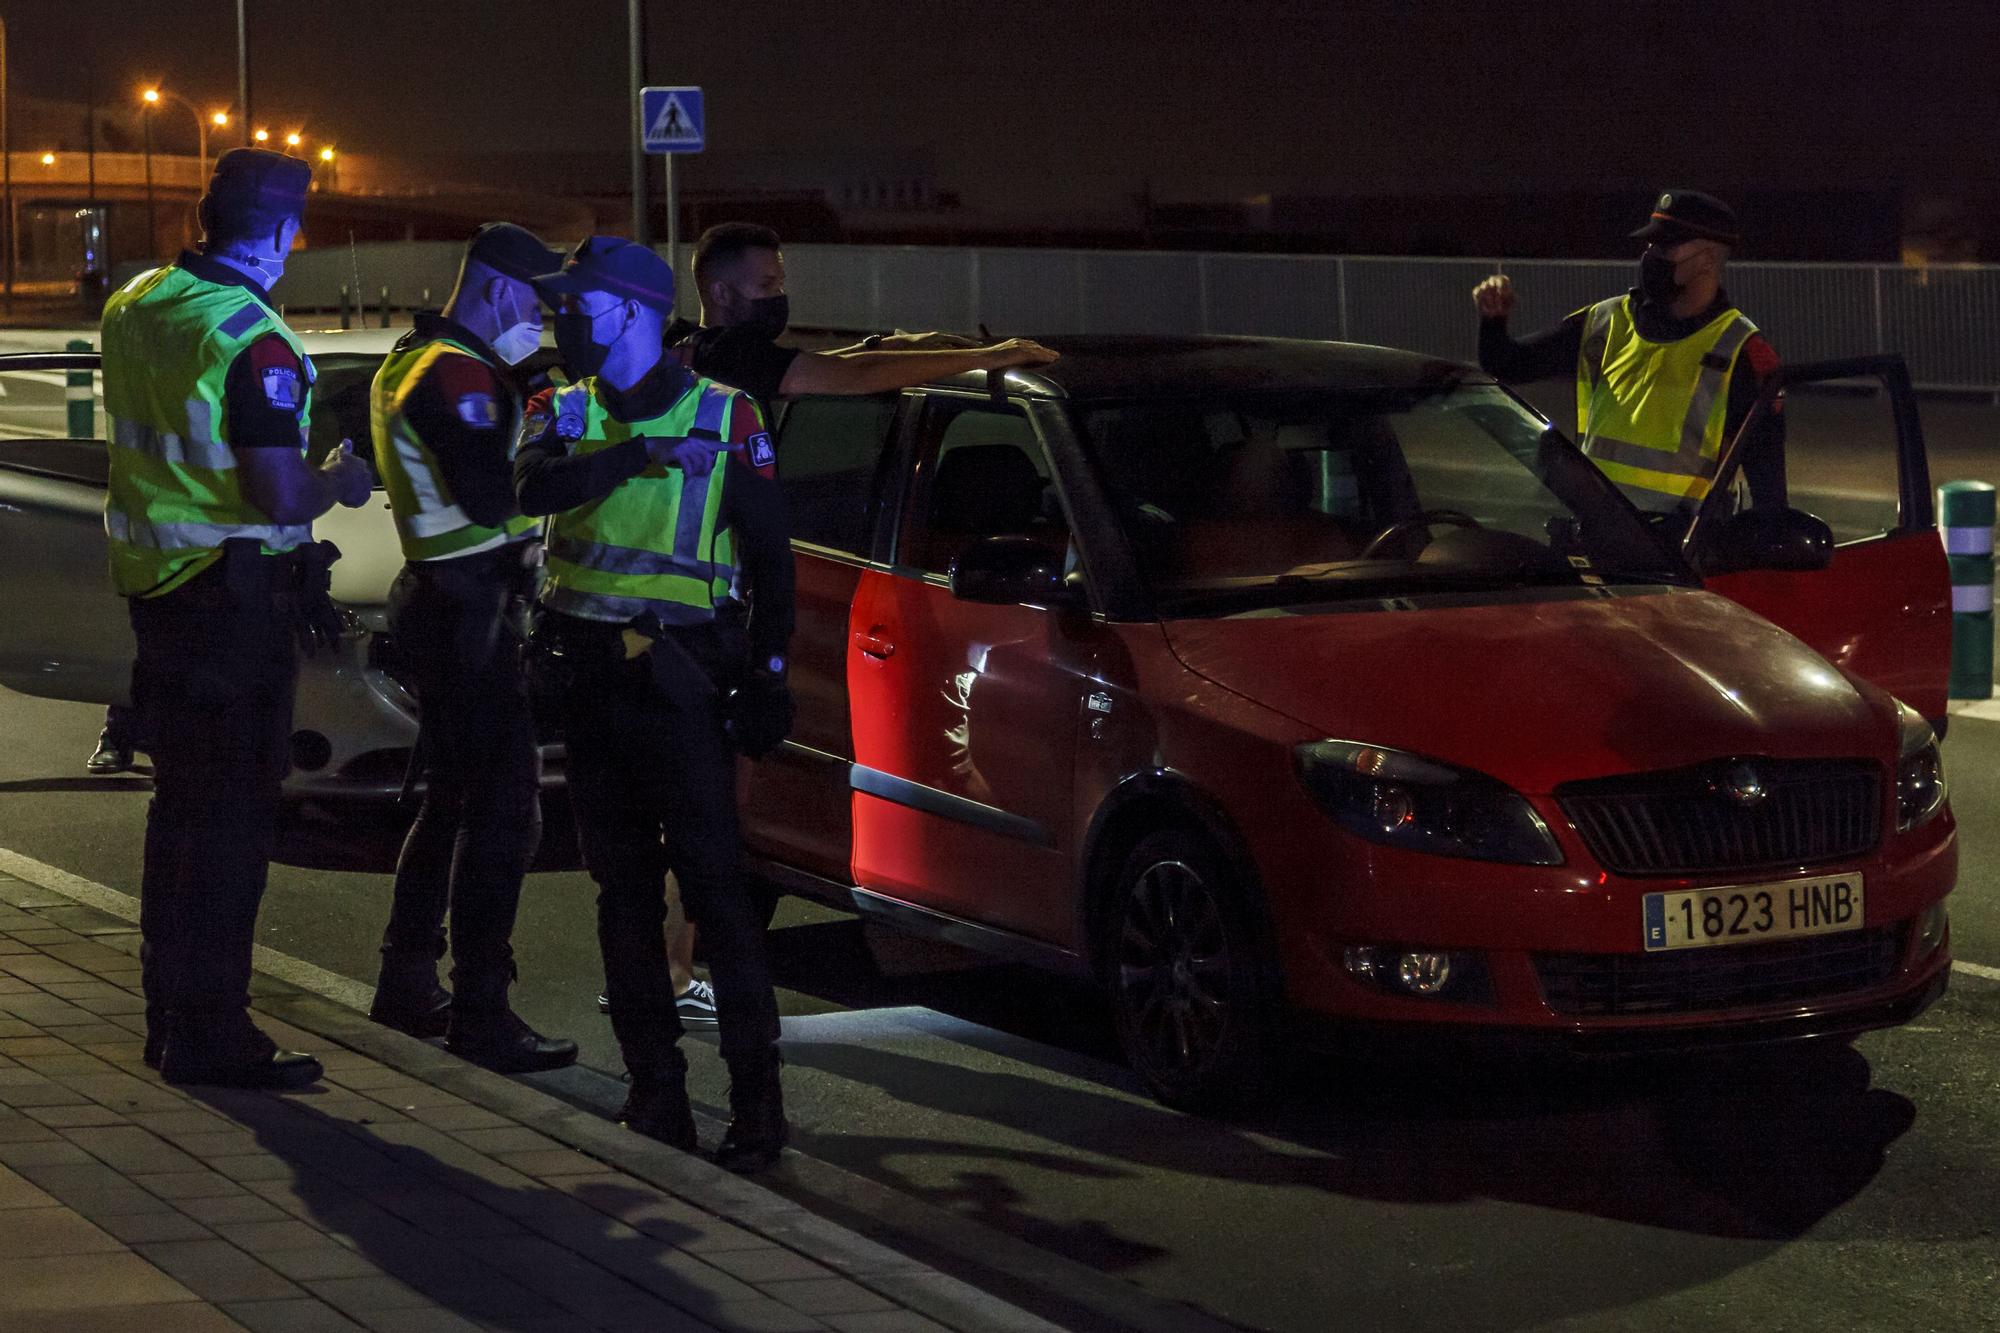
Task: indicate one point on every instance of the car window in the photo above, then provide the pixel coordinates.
(36, 405)
(1840, 458)
(340, 406)
(983, 473)
(829, 465)
(1359, 494)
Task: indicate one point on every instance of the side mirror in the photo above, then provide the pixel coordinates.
(1789, 539)
(1008, 571)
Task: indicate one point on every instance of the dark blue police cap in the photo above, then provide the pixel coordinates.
(624, 269)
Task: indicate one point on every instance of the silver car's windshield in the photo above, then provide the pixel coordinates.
(1361, 493)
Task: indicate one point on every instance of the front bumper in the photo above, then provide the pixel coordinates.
(1845, 1017)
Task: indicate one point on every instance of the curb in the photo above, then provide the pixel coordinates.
(1089, 1301)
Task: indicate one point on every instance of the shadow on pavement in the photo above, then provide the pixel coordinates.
(140, 780)
(475, 1237)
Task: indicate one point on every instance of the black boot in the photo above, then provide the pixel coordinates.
(485, 1031)
(230, 1052)
(657, 1105)
(757, 1129)
(407, 995)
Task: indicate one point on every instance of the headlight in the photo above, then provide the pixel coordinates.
(1920, 788)
(1396, 798)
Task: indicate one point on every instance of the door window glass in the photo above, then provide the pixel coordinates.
(829, 458)
(1840, 459)
(984, 475)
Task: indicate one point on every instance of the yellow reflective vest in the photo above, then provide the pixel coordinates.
(656, 544)
(168, 341)
(1650, 414)
(429, 522)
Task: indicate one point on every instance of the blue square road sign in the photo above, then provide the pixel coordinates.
(671, 120)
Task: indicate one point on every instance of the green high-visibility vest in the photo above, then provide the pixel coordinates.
(1649, 414)
(655, 545)
(429, 522)
(169, 339)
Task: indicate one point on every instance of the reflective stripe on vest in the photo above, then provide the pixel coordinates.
(1650, 414)
(429, 522)
(655, 545)
(173, 496)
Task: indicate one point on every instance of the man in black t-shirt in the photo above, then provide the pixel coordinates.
(739, 269)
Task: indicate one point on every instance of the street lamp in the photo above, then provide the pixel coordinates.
(48, 159)
(262, 136)
(152, 97)
(294, 139)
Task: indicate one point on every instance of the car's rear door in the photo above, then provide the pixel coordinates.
(796, 807)
(1854, 456)
(63, 631)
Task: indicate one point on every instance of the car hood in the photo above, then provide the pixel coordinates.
(1546, 690)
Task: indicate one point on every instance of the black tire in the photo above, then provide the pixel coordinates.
(1193, 992)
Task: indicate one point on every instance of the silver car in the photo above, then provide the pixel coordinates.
(67, 634)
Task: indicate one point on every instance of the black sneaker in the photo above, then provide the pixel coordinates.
(696, 1005)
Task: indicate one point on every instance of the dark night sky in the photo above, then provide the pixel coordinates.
(1082, 98)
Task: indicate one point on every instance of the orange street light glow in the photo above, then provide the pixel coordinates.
(292, 140)
(220, 118)
(151, 95)
(48, 159)
(326, 155)
(261, 135)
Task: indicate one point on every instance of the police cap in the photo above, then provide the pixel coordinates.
(1687, 215)
(512, 251)
(612, 264)
(253, 188)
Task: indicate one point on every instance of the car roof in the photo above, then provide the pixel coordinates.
(1134, 366)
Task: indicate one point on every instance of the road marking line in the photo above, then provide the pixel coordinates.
(1986, 710)
(293, 971)
(1975, 969)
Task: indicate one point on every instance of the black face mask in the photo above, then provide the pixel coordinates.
(769, 316)
(576, 342)
(1656, 278)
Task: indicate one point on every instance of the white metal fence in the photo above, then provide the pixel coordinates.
(1944, 319)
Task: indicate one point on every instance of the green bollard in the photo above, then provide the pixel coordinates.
(77, 397)
(1966, 513)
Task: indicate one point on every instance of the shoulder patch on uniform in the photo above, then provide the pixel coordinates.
(762, 452)
(281, 387)
(480, 410)
(534, 426)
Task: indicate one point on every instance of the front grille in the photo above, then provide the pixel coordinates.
(1687, 981)
(1684, 822)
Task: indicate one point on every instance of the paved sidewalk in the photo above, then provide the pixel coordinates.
(407, 1191)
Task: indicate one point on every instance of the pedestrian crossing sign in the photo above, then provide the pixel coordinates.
(671, 120)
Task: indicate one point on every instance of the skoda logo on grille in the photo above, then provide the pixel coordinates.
(1743, 785)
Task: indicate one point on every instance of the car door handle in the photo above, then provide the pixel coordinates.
(872, 644)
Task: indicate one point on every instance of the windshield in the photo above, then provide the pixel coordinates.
(1361, 493)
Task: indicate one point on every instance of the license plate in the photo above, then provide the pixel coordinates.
(1740, 914)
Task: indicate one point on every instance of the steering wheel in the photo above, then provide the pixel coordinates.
(1428, 518)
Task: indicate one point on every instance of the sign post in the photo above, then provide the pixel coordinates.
(672, 120)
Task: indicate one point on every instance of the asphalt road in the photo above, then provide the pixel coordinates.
(1835, 1188)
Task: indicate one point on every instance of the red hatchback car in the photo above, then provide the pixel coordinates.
(1294, 686)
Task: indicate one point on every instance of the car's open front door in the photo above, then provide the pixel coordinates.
(1879, 604)
(63, 631)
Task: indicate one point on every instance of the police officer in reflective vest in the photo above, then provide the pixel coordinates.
(663, 672)
(209, 517)
(444, 417)
(1665, 374)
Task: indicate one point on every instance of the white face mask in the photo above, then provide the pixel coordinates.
(518, 342)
